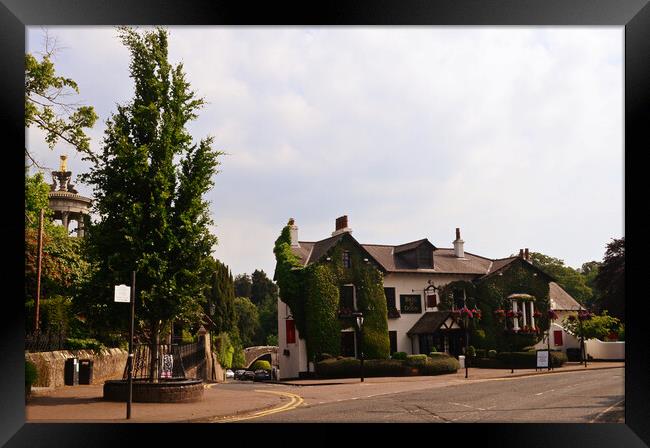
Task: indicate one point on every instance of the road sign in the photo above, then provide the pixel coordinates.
(122, 293)
(542, 358)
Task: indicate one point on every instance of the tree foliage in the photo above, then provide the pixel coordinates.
(610, 279)
(47, 104)
(149, 180)
(221, 297)
(568, 278)
(596, 327)
(243, 285)
(248, 320)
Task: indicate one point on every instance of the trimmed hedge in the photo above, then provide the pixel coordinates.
(399, 355)
(351, 367)
(528, 360)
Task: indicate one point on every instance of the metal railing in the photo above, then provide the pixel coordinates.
(171, 361)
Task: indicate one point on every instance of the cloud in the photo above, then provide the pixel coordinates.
(513, 134)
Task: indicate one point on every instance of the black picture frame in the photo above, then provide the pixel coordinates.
(634, 15)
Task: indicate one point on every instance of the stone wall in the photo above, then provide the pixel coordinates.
(107, 365)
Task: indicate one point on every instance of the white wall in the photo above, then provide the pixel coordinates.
(291, 365)
(568, 340)
(405, 283)
(605, 350)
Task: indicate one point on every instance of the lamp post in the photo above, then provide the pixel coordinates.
(359, 318)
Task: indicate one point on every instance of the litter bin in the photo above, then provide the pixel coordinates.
(85, 371)
(461, 360)
(71, 372)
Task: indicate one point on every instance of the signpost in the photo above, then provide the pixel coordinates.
(126, 294)
(542, 359)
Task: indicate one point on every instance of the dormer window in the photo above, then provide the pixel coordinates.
(347, 262)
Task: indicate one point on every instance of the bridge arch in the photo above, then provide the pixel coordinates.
(252, 354)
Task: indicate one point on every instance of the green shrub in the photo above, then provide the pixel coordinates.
(261, 364)
(323, 356)
(399, 355)
(384, 367)
(31, 374)
(436, 355)
(492, 354)
(481, 353)
(528, 360)
(440, 365)
(338, 368)
(83, 344)
(434, 350)
(573, 354)
(416, 360)
(471, 351)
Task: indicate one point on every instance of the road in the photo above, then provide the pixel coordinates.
(572, 397)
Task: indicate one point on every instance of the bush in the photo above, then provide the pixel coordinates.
(31, 374)
(84, 344)
(528, 360)
(261, 365)
(323, 356)
(471, 351)
(351, 367)
(436, 355)
(434, 350)
(481, 353)
(492, 354)
(416, 360)
(440, 365)
(573, 354)
(399, 355)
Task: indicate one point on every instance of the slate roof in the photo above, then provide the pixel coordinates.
(430, 322)
(561, 300)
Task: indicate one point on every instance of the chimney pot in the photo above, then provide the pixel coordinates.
(526, 254)
(293, 232)
(341, 222)
(521, 253)
(457, 233)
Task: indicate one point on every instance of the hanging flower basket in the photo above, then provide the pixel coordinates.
(499, 314)
(466, 312)
(584, 315)
(552, 315)
(537, 314)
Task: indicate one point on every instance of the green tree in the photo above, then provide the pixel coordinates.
(149, 181)
(596, 327)
(262, 287)
(243, 285)
(47, 104)
(568, 278)
(611, 279)
(221, 297)
(589, 271)
(248, 320)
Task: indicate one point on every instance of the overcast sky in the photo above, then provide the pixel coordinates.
(513, 134)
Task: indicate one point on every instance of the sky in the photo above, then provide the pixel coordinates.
(512, 134)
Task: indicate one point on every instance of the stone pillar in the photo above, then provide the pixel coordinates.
(532, 311)
(64, 220)
(523, 312)
(80, 226)
(515, 319)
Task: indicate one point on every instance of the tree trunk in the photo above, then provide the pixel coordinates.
(154, 349)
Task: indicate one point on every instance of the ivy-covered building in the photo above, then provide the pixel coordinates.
(407, 294)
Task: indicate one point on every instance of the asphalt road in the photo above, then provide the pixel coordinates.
(575, 397)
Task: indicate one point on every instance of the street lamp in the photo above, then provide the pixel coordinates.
(359, 317)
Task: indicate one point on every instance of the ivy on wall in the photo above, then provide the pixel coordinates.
(313, 295)
(493, 293)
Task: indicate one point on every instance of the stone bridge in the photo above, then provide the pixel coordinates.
(268, 352)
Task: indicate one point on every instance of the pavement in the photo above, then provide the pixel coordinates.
(237, 400)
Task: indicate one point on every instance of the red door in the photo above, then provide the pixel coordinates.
(557, 336)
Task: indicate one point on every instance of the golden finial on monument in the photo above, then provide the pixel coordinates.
(62, 167)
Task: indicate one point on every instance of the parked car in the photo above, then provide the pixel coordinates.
(230, 374)
(239, 373)
(262, 375)
(248, 375)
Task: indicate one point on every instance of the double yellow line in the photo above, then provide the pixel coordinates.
(294, 402)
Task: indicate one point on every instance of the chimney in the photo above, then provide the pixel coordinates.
(521, 253)
(293, 231)
(341, 225)
(458, 245)
(526, 255)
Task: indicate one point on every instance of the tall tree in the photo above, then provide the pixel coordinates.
(243, 285)
(248, 320)
(221, 298)
(567, 277)
(47, 103)
(611, 279)
(149, 181)
(262, 287)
